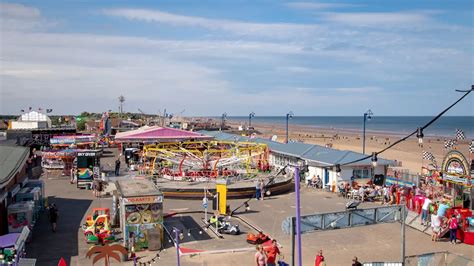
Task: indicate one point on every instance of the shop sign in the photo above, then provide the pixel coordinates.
(143, 200)
(86, 154)
(455, 168)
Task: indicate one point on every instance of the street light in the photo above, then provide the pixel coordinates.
(252, 114)
(367, 116)
(224, 116)
(288, 117)
(178, 236)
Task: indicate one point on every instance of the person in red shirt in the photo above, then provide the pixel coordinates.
(272, 252)
(319, 258)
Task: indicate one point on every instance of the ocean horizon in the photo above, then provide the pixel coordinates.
(445, 126)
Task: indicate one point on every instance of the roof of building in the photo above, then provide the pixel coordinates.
(137, 188)
(34, 116)
(316, 154)
(156, 133)
(12, 158)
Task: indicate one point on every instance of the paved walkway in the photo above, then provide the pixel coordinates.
(369, 243)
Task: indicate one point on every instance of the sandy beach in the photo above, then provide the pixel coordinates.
(409, 153)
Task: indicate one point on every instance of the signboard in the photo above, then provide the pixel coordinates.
(455, 168)
(86, 154)
(67, 140)
(143, 200)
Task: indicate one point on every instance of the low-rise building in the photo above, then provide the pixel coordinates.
(13, 173)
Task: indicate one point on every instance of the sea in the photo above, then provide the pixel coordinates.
(445, 126)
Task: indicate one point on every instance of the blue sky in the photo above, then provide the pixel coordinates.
(210, 57)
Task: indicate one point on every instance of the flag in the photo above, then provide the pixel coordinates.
(460, 134)
(471, 147)
(428, 156)
(448, 144)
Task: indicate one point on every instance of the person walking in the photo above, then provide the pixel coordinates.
(435, 227)
(272, 253)
(425, 210)
(117, 167)
(355, 262)
(258, 190)
(319, 258)
(453, 228)
(53, 216)
(260, 256)
(262, 189)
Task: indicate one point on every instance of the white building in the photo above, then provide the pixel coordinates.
(31, 120)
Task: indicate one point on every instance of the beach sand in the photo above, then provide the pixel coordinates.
(409, 153)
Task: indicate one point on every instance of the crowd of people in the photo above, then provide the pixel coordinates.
(271, 256)
(268, 256)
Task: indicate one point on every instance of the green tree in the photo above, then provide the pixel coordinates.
(81, 125)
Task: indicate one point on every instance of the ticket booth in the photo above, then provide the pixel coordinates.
(141, 214)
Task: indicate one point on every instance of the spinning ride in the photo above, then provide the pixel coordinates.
(206, 159)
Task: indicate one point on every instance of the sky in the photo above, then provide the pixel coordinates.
(204, 58)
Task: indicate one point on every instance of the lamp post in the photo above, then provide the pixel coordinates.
(252, 114)
(367, 116)
(224, 116)
(298, 216)
(177, 235)
(288, 116)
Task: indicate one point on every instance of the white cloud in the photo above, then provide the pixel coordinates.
(377, 18)
(318, 5)
(281, 30)
(358, 90)
(19, 17)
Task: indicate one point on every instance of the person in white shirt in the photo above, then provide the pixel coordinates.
(424, 211)
(435, 227)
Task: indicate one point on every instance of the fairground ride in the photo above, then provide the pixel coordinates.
(206, 159)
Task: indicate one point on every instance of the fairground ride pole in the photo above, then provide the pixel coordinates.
(298, 216)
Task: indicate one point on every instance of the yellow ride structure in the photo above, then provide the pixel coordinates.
(208, 158)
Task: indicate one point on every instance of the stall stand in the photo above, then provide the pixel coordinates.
(80, 141)
(20, 215)
(39, 184)
(12, 247)
(31, 194)
(141, 213)
(59, 160)
(88, 167)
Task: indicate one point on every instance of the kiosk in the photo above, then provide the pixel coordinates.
(20, 215)
(141, 213)
(12, 247)
(88, 167)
